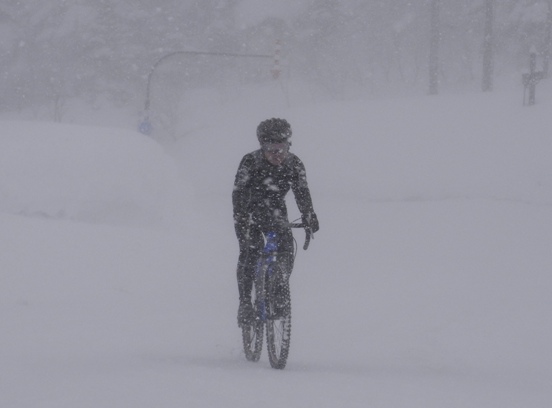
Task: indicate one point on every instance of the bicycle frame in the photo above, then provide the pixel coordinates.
(270, 253)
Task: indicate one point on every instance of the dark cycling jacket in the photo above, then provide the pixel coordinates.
(260, 189)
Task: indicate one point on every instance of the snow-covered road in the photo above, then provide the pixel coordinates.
(427, 286)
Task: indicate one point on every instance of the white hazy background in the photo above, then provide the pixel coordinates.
(427, 286)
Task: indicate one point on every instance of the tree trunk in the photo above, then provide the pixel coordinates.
(548, 41)
(434, 42)
(487, 84)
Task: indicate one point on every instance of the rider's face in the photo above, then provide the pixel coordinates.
(276, 153)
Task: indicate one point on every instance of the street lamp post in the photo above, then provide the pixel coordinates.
(145, 126)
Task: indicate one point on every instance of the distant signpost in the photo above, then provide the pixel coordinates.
(531, 79)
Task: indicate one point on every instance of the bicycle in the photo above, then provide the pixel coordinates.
(271, 310)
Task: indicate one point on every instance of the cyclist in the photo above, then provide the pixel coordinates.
(263, 179)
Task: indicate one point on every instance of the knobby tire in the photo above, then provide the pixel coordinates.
(252, 334)
(278, 326)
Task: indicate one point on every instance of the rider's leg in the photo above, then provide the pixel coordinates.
(250, 250)
(285, 261)
(286, 252)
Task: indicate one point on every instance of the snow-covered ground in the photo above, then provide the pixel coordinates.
(428, 286)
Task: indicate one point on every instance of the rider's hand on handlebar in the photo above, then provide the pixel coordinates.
(311, 221)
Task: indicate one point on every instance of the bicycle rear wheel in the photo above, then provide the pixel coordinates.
(278, 324)
(252, 333)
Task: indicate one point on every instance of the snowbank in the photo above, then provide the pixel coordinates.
(90, 174)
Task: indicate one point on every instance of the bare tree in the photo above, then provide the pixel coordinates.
(487, 84)
(548, 41)
(435, 40)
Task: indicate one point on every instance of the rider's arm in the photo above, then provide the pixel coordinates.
(241, 195)
(302, 194)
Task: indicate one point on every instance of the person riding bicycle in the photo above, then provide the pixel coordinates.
(263, 179)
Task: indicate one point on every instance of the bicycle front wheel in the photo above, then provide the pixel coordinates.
(278, 324)
(252, 333)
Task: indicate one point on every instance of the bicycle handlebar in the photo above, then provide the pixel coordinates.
(308, 232)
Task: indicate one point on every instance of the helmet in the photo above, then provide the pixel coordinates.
(274, 131)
